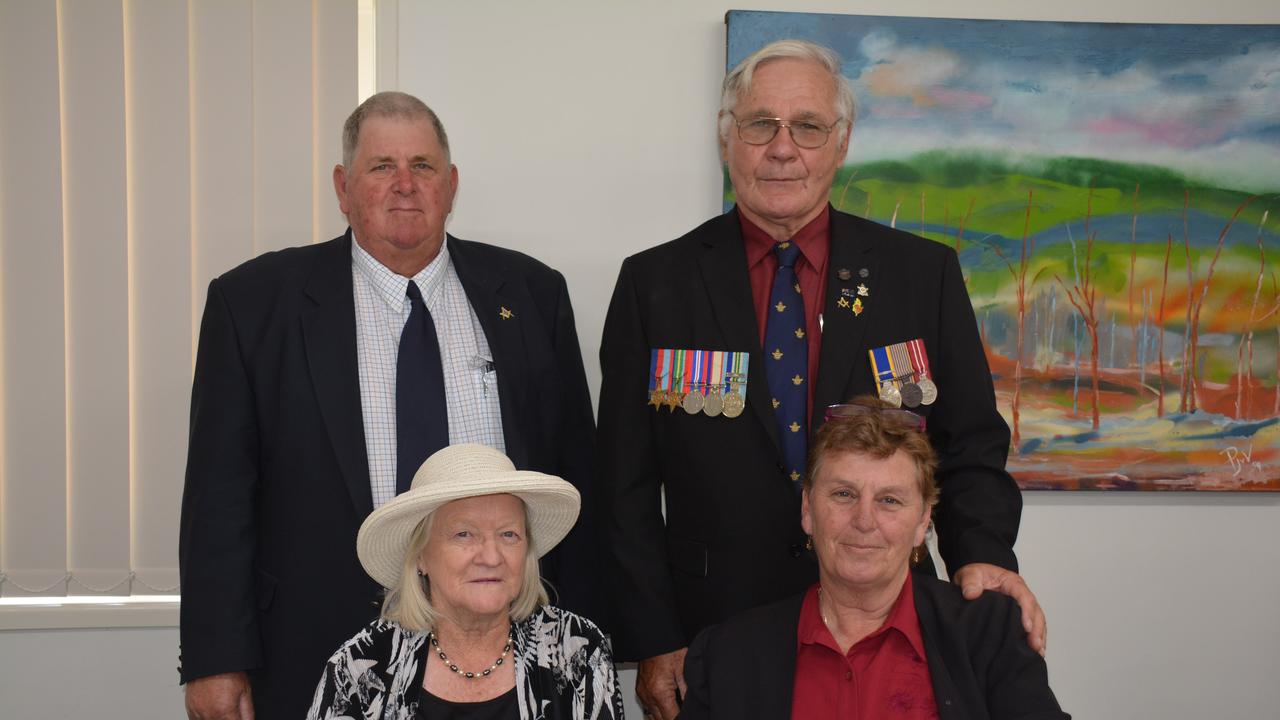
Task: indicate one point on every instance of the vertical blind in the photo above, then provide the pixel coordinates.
(146, 146)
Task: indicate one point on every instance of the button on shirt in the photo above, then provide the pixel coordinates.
(470, 379)
(884, 675)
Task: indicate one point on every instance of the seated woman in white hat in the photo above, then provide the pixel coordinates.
(466, 631)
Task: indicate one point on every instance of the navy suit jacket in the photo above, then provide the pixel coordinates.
(731, 536)
(277, 479)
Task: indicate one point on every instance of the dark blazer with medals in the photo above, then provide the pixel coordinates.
(731, 538)
(277, 479)
(980, 665)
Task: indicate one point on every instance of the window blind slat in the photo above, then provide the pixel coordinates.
(282, 109)
(336, 79)
(222, 141)
(97, 297)
(159, 152)
(33, 537)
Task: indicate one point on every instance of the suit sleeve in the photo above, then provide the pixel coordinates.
(573, 567)
(646, 622)
(980, 505)
(697, 699)
(1017, 679)
(218, 530)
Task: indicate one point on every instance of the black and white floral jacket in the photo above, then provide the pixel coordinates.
(564, 671)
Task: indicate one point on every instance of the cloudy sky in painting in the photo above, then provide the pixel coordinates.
(1200, 99)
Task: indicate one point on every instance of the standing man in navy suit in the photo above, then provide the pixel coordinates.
(325, 374)
(721, 351)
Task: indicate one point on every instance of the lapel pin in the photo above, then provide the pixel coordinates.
(844, 274)
(857, 306)
(505, 314)
(863, 292)
(863, 272)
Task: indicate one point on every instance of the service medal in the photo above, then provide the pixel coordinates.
(660, 360)
(674, 400)
(928, 391)
(714, 404)
(733, 404)
(911, 394)
(698, 368)
(890, 394)
(694, 401)
(920, 361)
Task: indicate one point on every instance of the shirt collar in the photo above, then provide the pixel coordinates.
(812, 239)
(390, 286)
(902, 617)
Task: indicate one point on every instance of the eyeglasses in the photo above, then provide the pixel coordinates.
(804, 133)
(898, 415)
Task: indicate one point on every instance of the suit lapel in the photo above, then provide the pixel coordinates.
(843, 330)
(499, 308)
(329, 335)
(724, 272)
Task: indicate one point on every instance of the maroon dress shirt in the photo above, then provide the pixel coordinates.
(884, 675)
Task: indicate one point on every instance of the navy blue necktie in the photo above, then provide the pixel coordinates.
(422, 417)
(787, 360)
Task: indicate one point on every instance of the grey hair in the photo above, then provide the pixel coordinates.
(409, 602)
(738, 82)
(389, 104)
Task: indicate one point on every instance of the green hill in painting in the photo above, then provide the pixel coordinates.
(945, 182)
(934, 190)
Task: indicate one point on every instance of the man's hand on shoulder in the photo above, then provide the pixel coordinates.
(220, 697)
(657, 681)
(976, 577)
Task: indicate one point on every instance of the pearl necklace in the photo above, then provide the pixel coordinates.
(435, 644)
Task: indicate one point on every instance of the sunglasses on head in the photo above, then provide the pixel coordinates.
(897, 415)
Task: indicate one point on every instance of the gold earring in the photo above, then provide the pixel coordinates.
(808, 543)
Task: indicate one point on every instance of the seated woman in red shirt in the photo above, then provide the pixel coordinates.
(870, 640)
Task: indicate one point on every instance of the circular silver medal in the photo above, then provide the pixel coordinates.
(889, 393)
(714, 403)
(693, 402)
(911, 394)
(928, 391)
(733, 404)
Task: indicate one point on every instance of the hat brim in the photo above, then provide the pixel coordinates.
(552, 506)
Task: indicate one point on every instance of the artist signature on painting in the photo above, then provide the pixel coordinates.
(1240, 459)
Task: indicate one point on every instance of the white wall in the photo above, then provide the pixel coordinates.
(114, 674)
(583, 131)
(575, 150)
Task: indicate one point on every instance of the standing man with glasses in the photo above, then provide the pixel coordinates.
(325, 375)
(721, 351)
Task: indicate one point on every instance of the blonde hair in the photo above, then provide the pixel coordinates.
(409, 602)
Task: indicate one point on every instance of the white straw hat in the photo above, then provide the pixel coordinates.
(456, 472)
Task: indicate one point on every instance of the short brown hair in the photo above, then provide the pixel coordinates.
(876, 435)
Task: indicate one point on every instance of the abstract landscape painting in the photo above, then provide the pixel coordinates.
(1113, 192)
